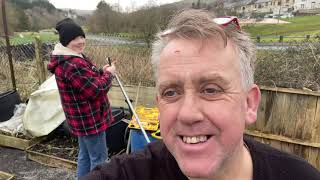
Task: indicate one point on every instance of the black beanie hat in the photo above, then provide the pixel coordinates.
(68, 30)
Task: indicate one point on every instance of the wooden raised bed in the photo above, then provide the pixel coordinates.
(5, 176)
(18, 143)
(50, 160)
(58, 150)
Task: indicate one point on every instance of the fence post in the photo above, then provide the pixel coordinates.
(39, 61)
(258, 39)
(281, 39)
(6, 36)
(308, 37)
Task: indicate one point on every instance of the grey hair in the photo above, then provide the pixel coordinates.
(199, 24)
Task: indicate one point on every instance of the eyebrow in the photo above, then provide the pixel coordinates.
(206, 78)
(169, 83)
(211, 77)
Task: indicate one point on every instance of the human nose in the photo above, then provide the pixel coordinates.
(190, 110)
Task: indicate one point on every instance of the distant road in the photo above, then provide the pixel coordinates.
(97, 39)
(281, 46)
(105, 40)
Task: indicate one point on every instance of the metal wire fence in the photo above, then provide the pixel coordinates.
(132, 62)
(5, 81)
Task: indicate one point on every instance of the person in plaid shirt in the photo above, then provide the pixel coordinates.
(83, 92)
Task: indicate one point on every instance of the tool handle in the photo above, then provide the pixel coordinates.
(109, 61)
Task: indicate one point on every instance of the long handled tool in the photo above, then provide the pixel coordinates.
(130, 105)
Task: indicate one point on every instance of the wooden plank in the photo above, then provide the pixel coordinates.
(146, 96)
(311, 153)
(277, 113)
(292, 148)
(291, 115)
(316, 123)
(284, 146)
(282, 139)
(275, 144)
(51, 161)
(268, 103)
(6, 176)
(307, 106)
(297, 107)
(290, 90)
(18, 143)
(314, 154)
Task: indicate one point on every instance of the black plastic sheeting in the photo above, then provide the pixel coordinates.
(8, 100)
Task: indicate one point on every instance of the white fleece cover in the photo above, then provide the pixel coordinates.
(59, 49)
(44, 111)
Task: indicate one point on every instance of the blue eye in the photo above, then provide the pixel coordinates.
(169, 93)
(212, 90)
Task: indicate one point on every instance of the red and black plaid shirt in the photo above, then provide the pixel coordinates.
(83, 91)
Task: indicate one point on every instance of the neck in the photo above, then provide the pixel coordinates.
(238, 167)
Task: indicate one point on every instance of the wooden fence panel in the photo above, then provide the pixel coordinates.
(289, 120)
(289, 114)
(146, 96)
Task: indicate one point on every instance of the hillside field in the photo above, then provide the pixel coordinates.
(298, 27)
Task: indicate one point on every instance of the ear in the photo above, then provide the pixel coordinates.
(157, 99)
(253, 100)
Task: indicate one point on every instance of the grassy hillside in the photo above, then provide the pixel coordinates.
(299, 26)
(29, 37)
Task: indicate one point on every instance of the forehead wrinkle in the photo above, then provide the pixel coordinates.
(168, 83)
(209, 77)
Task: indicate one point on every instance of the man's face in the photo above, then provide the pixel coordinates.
(203, 107)
(77, 44)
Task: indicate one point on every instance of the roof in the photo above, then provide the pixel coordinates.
(262, 1)
(239, 3)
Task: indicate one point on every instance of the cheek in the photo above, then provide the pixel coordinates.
(226, 116)
(167, 117)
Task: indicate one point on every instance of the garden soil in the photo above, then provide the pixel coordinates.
(14, 161)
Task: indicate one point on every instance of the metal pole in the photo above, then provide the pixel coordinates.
(130, 105)
(279, 12)
(133, 111)
(5, 27)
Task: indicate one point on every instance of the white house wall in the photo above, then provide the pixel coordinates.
(306, 4)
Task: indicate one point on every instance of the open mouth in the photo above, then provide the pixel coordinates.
(195, 139)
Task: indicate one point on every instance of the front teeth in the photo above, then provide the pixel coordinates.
(194, 139)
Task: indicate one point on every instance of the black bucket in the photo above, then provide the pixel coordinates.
(116, 135)
(8, 100)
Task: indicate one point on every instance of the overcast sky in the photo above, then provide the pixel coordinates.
(92, 4)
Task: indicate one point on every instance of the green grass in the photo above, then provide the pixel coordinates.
(29, 37)
(299, 27)
(129, 36)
